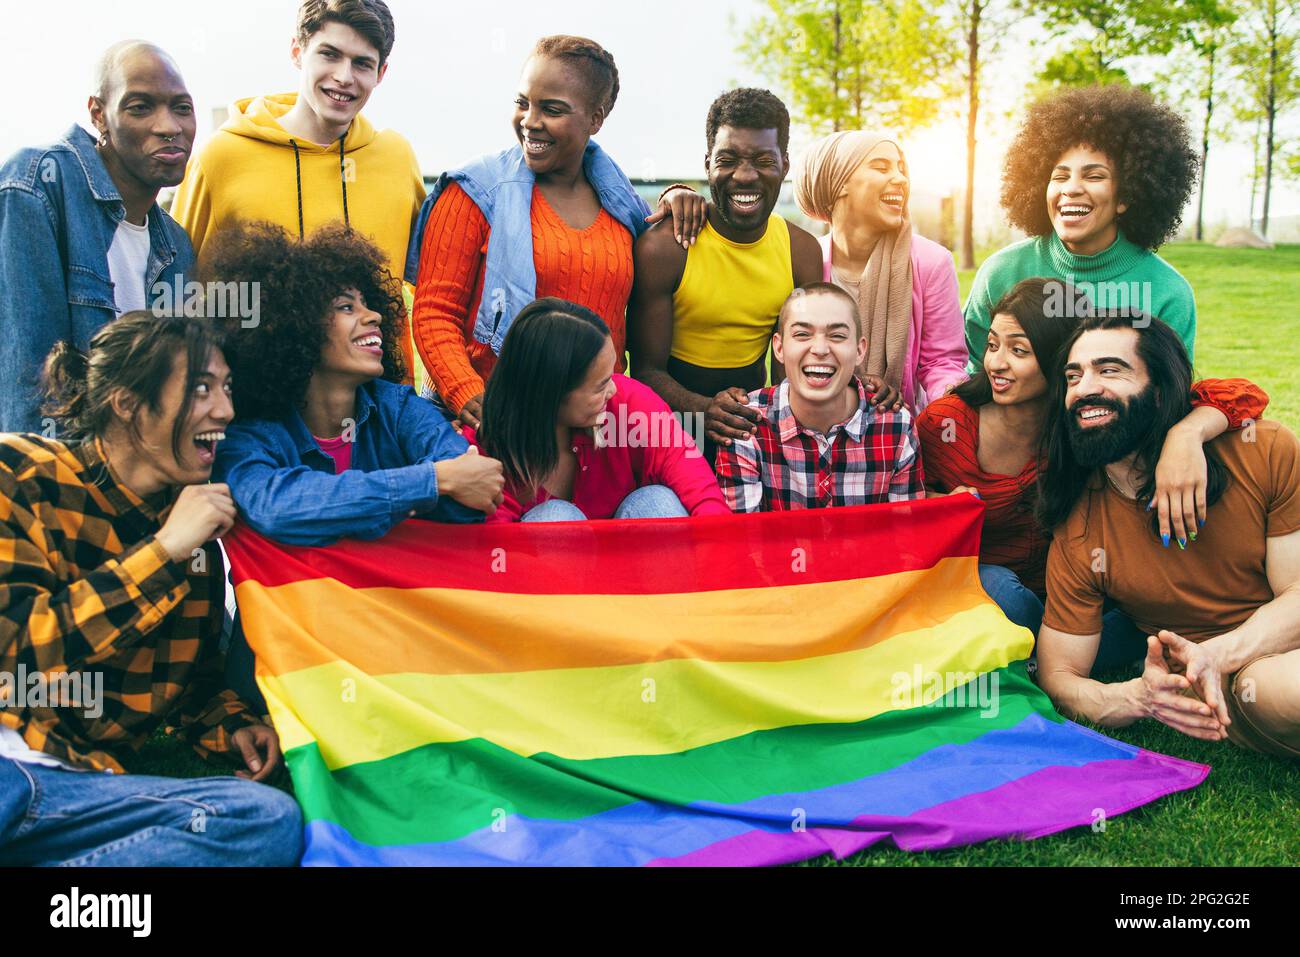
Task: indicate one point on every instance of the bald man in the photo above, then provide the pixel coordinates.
(82, 237)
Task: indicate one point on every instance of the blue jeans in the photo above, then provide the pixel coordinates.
(1121, 641)
(51, 816)
(649, 501)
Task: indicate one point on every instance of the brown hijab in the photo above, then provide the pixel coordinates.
(885, 295)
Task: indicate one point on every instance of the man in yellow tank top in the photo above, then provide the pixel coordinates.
(700, 322)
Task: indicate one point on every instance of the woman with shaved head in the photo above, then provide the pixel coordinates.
(82, 238)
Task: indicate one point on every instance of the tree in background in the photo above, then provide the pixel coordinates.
(1265, 52)
(854, 64)
(981, 22)
(1203, 44)
(1109, 31)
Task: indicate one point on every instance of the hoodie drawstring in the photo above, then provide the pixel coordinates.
(297, 168)
(342, 180)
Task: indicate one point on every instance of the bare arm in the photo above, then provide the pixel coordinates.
(658, 264)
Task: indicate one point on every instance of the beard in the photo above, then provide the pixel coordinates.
(1101, 445)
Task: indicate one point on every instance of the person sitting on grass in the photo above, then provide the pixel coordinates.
(986, 436)
(1223, 618)
(327, 444)
(820, 442)
(1098, 177)
(110, 589)
(578, 441)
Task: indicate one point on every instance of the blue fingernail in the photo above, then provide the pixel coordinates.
(1202, 521)
(1165, 538)
(1182, 543)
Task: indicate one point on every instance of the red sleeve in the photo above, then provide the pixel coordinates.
(454, 242)
(509, 510)
(1238, 399)
(672, 457)
(946, 430)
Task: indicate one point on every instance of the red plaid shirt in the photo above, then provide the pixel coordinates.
(873, 457)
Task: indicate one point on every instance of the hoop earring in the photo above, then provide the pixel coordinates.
(103, 140)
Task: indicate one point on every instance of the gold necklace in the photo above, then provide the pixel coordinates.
(1115, 485)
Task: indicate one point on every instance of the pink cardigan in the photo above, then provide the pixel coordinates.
(936, 344)
(646, 446)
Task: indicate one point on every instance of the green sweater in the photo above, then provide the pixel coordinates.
(1113, 278)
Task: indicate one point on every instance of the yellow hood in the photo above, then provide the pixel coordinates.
(258, 117)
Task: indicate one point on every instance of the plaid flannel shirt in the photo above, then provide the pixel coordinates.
(873, 457)
(85, 588)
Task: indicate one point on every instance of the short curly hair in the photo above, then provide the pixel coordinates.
(273, 362)
(590, 59)
(1155, 165)
(749, 108)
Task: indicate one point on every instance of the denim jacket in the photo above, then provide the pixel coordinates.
(501, 185)
(59, 212)
(286, 487)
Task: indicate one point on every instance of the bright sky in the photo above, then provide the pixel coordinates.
(452, 78)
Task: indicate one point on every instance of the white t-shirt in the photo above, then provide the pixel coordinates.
(128, 259)
(13, 746)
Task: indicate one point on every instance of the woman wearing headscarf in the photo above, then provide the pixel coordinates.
(905, 285)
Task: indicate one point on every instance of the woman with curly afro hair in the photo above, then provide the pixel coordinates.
(326, 444)
(1098, 178)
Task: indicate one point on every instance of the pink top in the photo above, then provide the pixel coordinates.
(640, 443)
(936, 344)
(339, 449)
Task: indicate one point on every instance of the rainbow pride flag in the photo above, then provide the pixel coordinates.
(721, 691)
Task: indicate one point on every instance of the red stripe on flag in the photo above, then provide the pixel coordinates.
(646, 556)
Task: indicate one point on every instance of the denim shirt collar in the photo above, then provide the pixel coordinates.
(305, 443)
(105, 190)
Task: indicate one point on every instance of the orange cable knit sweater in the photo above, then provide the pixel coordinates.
(592, 267)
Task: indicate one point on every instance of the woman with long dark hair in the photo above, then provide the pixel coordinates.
(110, 582)
(988, 436)
(577, 440)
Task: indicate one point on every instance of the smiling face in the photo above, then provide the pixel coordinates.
(582, 408)
(205, 424)
(354, 344)
(820, 346)
(553, 117)
(1082, 200)
(876, 194)
(1108, 398)
(340, 69)
(746, 169)
(147, 115)
(1011, 365)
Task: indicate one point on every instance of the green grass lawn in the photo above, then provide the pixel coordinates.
(1248, 811)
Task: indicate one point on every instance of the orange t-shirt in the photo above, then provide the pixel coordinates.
(592, 267)
(1106, 547)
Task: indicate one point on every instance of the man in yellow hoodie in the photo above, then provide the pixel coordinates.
(304, 159)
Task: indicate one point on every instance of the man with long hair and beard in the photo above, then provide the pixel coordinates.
(1221, 610)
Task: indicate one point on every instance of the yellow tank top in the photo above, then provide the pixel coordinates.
(726, 305)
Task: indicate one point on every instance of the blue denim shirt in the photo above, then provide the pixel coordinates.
(501, 185)
(59, 212)
(286, 487)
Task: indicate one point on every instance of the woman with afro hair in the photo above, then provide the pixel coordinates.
(1098, 178)
(326, 444)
